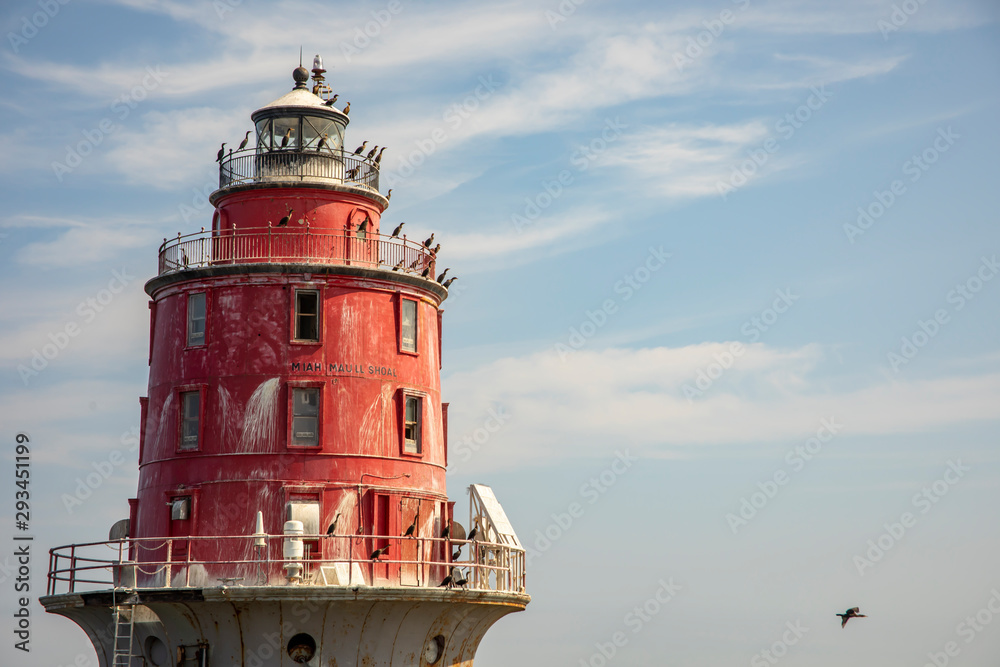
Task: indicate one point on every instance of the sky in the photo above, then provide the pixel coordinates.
(724, 338)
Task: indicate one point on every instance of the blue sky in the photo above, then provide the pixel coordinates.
(708, 239)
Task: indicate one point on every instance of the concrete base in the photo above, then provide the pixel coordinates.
(246, 626)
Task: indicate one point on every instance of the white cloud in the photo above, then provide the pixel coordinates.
(597, 401)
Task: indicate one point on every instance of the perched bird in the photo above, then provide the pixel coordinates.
(447, 582)
(246, 140)
(426, 272)
(457, 554)
(285, 139)
(333, 526)
(284, 221)
(446, 531)
(378, 158)
(446, 284)
(330, 101)
(388, 195)
(222, 152)
(462, 580)
(372, 152)
(352, 173)
(184, 258)
(429, 241)
(380, 552)
(413, 267)
(436, 248)
(399, 265)
(357, 151)
(398, 229)
(475, 529)
(849, 614)
(439, 279)
(413, 526)
(347, 109)
(363, 227)
(322, 142)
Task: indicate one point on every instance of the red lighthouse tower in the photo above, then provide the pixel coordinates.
(292, 506)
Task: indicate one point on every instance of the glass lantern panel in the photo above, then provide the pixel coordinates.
(285, 127)
(314, 128)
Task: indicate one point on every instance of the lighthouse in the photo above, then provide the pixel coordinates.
(292, 506)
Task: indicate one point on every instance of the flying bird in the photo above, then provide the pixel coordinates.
(333, 526)
(380, 552)
(286, 138)
(398, 229)
(222, 152)
(849, 614)
(347, 109)
(330, 101)
(446, 284)
(372, 152)
(428, 242)
(357, 151)
(284, 221)
(378, 158)
(246, 140)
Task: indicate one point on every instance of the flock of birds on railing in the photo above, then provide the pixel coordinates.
(374, 156)
(455, 577)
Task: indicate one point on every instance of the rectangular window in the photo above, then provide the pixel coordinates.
(411, 424)
(408, 326)
(305, 416)
(306, 315)
(190, 418)
(196, 319)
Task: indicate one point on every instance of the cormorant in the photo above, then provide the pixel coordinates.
(398, 229)
(357, 151)
(347, 109)
(285, 139)
(379, 552)
(446, 284)
(378, 158)
(246, 140)
(372, 152)
(330, 101)
(284, 221)
(333, 526)
(413, 526)
(222, 152)
(849, 614)
(428, 242)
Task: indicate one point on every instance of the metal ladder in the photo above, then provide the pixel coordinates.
(124, 617)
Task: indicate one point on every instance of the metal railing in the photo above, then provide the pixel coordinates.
(255, 560)
(283, 165)
(293, 245)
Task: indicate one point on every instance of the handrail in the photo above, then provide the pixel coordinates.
(272, 244)
(170, 562)
(258, 165)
